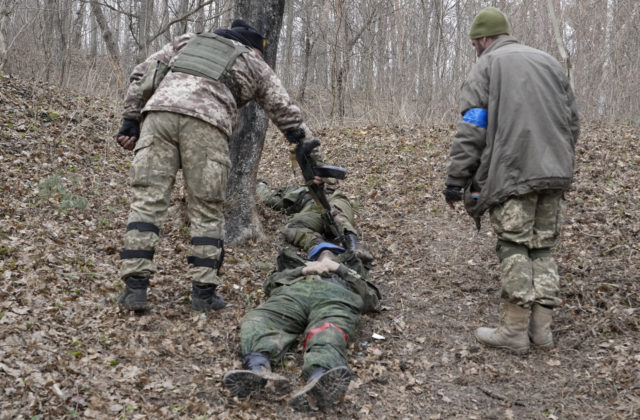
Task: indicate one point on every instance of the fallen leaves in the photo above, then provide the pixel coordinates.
(67, 350)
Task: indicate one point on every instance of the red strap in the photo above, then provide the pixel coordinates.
(323, 327)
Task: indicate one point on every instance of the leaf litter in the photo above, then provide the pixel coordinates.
(67, 351)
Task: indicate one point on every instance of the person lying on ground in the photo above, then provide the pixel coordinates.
(307, 228)
(320, 299)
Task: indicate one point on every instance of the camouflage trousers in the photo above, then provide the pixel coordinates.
(527, 227)
(307, 227)
(167, 143)
(325, 313)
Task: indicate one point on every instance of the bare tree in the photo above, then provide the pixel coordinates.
(5, 12)
(247, 141)
(107, 35)
(379, 61)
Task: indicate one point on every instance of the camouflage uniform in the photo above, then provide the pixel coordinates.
(306, 227)
(325, 310)
(527, 228)
(187, 123)
(513, 154)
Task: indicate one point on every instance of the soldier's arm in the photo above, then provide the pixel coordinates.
(574, 123)
(257, 80)
(469, 140)
(133, 102)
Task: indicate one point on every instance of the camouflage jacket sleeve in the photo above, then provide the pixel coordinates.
(469, 140)
(257, 80)
(133, 102)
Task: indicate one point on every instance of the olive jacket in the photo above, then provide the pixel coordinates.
(519, 128)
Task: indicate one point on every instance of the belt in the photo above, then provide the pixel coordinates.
(335, 281)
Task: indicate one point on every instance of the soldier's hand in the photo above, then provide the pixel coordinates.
(128, 134)
(319, 267)
(452, 194)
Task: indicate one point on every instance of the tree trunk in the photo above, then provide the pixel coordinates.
(107, 35)
(5, 12)
(247, 141)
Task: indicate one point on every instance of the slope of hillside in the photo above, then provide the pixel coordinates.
(66, 351)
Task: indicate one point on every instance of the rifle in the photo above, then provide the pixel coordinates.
(302, 153)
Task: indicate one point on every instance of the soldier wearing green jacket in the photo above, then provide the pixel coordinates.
(513, 155)
(188, 95)
(306, 228)
(319, 298)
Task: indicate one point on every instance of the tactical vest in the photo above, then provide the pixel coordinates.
(206, 55)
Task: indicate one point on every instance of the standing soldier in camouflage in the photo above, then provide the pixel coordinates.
(306, 228)
(513, 154)
(188, 94)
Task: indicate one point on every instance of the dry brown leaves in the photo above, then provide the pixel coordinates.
(67, 351)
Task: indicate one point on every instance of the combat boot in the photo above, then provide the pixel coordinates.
(511, 333)
(254, 377)
(134, 296)
(323, 389)
(540, 326)
(204, 298)
(353, 244)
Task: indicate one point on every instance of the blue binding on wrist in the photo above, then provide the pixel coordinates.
(324, 246)
(476, 116)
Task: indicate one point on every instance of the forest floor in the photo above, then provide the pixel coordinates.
(67, 351)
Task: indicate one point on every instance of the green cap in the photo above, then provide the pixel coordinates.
(489, 22)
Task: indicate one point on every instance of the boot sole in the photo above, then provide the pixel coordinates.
(323, 391)
(244, 383)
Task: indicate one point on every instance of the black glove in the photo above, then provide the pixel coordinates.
(313, 151)
(130, 128)
(294, 135)
(452, 194)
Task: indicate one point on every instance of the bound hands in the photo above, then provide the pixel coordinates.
(324, 264)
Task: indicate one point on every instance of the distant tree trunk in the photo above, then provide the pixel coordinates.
(78, 24)
(247, 141)
(107, 35)
(5, 12)
(559, 41)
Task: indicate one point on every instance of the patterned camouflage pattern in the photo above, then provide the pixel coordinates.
(307, 304)
(527, 227)
(289, 199)
(168, 142)
(306, 227)
(250, 78)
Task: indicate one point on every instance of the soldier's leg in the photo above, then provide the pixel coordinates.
(272, 327)
(546, 231)
(152, 176)
(546, 281)
(345, 219)
(205, 164)
(344, 212)
(269, 197)
(266, 333)
(513, 223)
(333, 318)
(305, 229)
